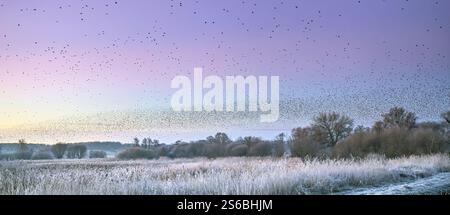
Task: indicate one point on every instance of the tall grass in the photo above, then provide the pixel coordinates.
(236, 175)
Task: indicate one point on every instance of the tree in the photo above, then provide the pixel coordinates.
(23, 147)
(446, 117)
(398, 117)
(304, 142)
(280, 148)
(333, 125)
(378, 127)
(220, 138)
(59, 150)
(156, 142)
(76, 151)
(136, 141)
(144, 142)
(360, 129)
(250, 141)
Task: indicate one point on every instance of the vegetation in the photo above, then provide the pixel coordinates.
(76, 151)
(332, 127)
(329, 135)
(219, 176)
(97, 154)
(137, 153)
(59, 150)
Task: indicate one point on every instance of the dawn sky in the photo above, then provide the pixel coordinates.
(101, 70)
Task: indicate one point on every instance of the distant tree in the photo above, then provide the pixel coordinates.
(59, 150)
(280, 137)
(280, 148)
(378, 127)
(144, 142)
(398, 117)
(304, 142)
(76, 151)
(22, 147)
(360, 129)
(219, 138)
(222, 138)
(136, 141)
(250, 141)
(23, 152)
(97, 154)
(446, 117)
(155, 142)
(333, 125)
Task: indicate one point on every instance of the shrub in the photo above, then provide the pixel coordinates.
(237, 150)
(76, 151)
(97, 154)
(163, 150)
(393, 142)
(42, 155)
(426, 141)
(7, 157)
(23, 155)
(184, 150)
(260, 149)
(304, 143)
(214, 150)
(59, 150)
(137, 153)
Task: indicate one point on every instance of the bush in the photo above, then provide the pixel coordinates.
(137, 153)
(97, 154)
(214, 150)
(76, 151)
(7, 157)
(304, 143)
(163, 151)
(23, 155)
(59, 150)
(260, 149)
(393, 142)
(237, 150)
(42, 155)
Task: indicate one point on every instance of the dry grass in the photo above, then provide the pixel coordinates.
(219, 176)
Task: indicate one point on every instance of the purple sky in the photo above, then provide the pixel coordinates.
(63, 60)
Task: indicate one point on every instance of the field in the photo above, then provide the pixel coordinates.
(226, 176)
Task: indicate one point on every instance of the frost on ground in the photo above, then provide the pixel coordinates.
(436, 184)
(218, 176)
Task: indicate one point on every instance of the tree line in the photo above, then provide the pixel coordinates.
(329, 135)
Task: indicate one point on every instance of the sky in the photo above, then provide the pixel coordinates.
(101, 70)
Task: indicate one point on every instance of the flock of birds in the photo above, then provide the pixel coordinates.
(154, 54)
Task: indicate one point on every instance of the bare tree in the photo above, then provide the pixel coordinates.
(399, 117)
(333, 125)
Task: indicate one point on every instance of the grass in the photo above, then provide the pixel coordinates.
(219, 176)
